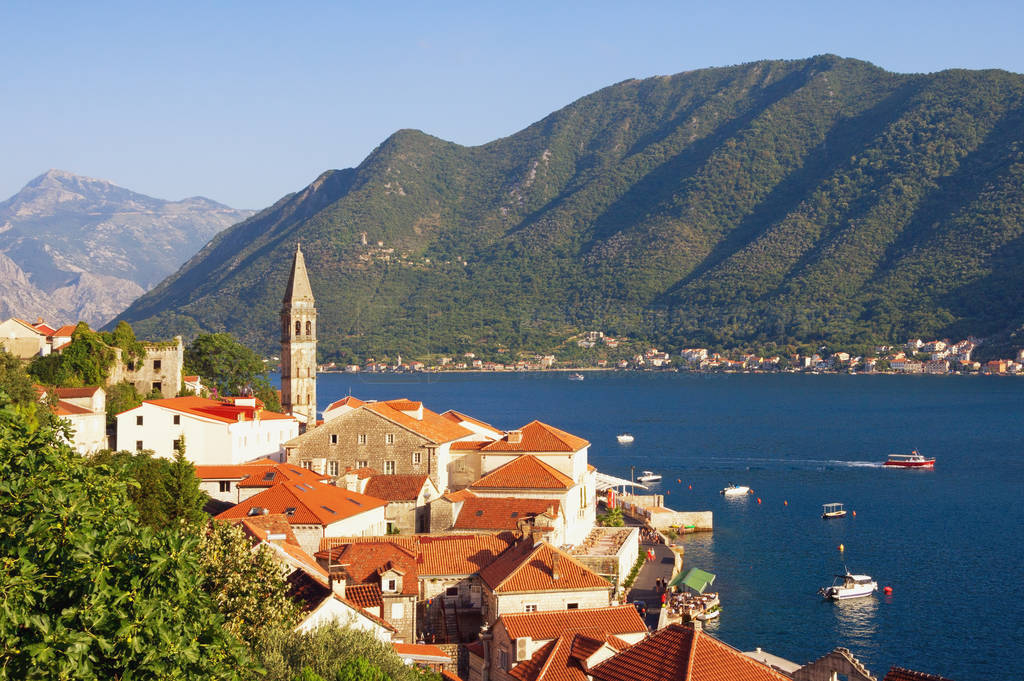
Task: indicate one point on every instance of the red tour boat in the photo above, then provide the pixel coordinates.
(912, 460)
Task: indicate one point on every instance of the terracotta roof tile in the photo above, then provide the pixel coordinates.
(395, 487)
(65, 408)
(262, 527)
(419, 650)
(72, 393)
(432, 426)
(901, 674)
(364, 562)
(458, 417)
(364, 595)
(504, 513)
(262, 473)
(65, 330)
(527, 472)
(308, 503)
(547, 625)
(224, 411)
(461, 495)
(532, 568)
(469, 445)
(683, 654)
(348, 401)
(538, 437)
(453, 554)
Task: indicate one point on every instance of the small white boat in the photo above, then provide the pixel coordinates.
(649, 476)
(709, 614)
(833, 510)
(575, 377)
(735, 490)
(849, 586)
(624, 438)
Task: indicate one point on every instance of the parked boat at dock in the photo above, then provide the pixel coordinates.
(912, 460)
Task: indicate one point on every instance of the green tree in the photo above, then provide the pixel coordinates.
(230, 368)
(88, 592)
(359, 669)
(132, 351)
(14, 382)
(613, 518)
(245, 584)
(121, 397)
(185, 498)
(85, 361)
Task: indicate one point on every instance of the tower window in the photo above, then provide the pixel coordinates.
(298, 328)
(309, 328)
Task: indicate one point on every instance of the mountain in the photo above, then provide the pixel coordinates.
(776, 202)
(74, 248)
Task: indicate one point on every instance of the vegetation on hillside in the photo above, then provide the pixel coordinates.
(774, 203)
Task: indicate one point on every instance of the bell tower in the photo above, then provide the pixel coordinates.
(298, 345)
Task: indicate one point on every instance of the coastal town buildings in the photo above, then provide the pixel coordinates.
(85, 410)
(215, 432)
(234, 483)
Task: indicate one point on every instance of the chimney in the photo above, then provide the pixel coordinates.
(515, 437)
(554, 566)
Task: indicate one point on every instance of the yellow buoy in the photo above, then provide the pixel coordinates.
(841, 547)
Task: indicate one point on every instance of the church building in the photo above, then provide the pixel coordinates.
(298, 345)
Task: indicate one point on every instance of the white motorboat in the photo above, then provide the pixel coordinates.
(575, 377)
(624, 438)
(735, 490)
(649, 476)
(849, 586)
(709, 614)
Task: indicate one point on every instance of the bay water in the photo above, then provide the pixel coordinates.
(948, 541)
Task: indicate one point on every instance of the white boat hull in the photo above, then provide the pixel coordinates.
(624, 439)
(735, 491)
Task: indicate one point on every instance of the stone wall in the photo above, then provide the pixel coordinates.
(161, 369)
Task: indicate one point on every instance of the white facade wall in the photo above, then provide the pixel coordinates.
(548, 600)
(207, 441)
(334, 611)
(90, 432)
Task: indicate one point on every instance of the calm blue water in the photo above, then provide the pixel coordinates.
(947, 541)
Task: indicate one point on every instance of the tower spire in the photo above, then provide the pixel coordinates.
(298, 288)
(298, 344)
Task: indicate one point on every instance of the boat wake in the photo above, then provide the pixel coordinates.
(760, 463)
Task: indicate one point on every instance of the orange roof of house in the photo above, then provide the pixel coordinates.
(683, 654)
(364, 562)
(532, 568)
(550, 624)
(65, 330)
(432, 426)
(64, 408)
(539, 437)
(190, 379)
(224, 411)
(564, 658)
(901, 674)
(41, 327)
(306, 503)
(364, 595)
(452, 554)
(469, 445)
(504, 513)
(448, 676)
(395, 487)
(419, 650)
(457, 416)
(460, 495)
(72, 393)
(261, 473)
(348, 401)
(262, 527)
(310, 592)
(526, 471)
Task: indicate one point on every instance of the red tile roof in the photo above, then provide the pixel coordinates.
(364, 563)
(64, 408)
(504, 513)
(72, 393)
(421, 652)
(216, 410)
(678, 653)
(461, 495)
(533, 568)
(453, 554)
(262, 473)
(564, 659)
(469, 445)
(547, 625)
(395, 487)
(65, 330)
(432, 426)
(527, 472)
(538, 437)
(364, 595)
(901, 674)
(310, 503)
(458, 416)
(348, 401)
(262, 527)
(42, 327)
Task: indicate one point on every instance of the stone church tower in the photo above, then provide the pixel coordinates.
(298, 345)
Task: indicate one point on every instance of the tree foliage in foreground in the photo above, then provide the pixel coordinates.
(88, 592)
(230, 368)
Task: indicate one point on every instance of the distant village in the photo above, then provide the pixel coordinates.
(474, 551)
(914, 357)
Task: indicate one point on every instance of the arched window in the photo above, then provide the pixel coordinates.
(309, 328)
(298, 328)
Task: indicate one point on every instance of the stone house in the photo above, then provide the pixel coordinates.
(408, 496)
(514, 639)
(315, 510)
(537, 577)
(23, 340)
(394, 437)
(159, 370)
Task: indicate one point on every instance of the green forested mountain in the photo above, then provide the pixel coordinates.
(773, 202)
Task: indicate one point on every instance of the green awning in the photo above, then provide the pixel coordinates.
(696, 579)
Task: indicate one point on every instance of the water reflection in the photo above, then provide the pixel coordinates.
(856, 620)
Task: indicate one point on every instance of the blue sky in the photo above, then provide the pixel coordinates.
(244, 102)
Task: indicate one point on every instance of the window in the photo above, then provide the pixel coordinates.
(158, 386)
(175, 444)
(225, 485)
(361, 438)
(389, 468)
(138, 445)
(397, 611)
(307, 464)
(451, 591)
(334, 438)
(389, 439)
(309, 328)
(503, 659)
(362, 463)
(298, 328)
(416, 458)
(157, 364)
(138, 420)
(572, 606)
(531, 607)
(177, 419)
(332, 468)
(391, 585)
